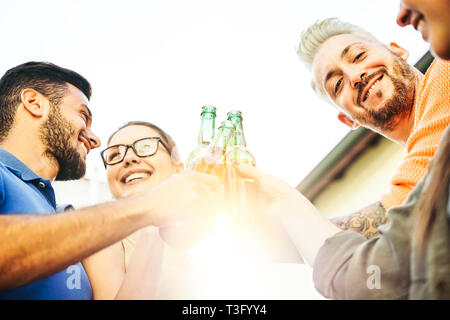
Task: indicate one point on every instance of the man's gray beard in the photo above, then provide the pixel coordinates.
(397, 108)
(55, 134)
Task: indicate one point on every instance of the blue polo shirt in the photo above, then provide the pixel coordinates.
(23, 191)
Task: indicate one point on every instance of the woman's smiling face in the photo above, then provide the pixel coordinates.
(135, 174)
(432, 19)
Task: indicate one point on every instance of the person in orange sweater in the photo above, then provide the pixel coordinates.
(431, 117)
(373, 86)
(410, 259)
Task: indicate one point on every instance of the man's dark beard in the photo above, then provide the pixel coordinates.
(399, 106)
(56, 133)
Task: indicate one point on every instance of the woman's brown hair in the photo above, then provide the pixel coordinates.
(164, 135)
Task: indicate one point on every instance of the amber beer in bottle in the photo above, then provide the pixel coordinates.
(241, 194)
(212, 159)
(206, 133)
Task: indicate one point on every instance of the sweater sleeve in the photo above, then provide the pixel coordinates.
(349, 266)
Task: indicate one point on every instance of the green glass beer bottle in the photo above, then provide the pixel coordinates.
(212, 159)
(241, 194)
(206, 133)
(237, 145)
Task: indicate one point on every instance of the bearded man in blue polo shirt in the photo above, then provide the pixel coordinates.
(45, 134)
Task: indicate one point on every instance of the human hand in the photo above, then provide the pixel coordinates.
(185, 207)
(306, 227)
(275, 192)
(278, 201)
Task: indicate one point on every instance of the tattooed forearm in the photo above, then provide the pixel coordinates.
(365, 221)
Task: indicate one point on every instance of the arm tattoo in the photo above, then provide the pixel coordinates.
(365, 221)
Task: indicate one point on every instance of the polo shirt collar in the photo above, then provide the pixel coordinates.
(17, 167)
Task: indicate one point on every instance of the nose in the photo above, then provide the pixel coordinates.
(357, 78)
(130, 158)
(403, 16)
(94, 141)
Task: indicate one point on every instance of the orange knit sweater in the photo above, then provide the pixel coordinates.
(431, 118)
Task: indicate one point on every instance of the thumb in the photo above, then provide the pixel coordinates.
(273, 188)
(246, 170)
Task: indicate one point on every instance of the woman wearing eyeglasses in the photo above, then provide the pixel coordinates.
(139, 156)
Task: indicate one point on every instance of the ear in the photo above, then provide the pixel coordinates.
(32, 102)
(399, 51)
(179, 167)
(347, 121)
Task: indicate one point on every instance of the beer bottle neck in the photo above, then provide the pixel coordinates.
(220, 141)
(238, 136)
(207, 128)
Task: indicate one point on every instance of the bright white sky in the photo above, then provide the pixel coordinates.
(160, 61)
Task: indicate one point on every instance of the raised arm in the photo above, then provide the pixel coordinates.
(343, 261)
(35, 246)
(142, 275)
(137, 281)
(350, 266)
(307, 228)
(364, 221)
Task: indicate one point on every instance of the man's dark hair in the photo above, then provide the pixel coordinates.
(46, 78)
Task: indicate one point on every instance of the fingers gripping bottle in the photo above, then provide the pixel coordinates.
(206, 133)
(212, 159)
(241, 194)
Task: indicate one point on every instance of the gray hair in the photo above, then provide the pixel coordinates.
(314, 36)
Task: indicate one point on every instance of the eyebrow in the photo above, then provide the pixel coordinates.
(88, 110)
(329, 75)
(343, 55)
(347, 49)
(89, 113)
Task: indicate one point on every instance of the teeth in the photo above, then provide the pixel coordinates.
(135, 176)
(371, 88)
(83, 147)
(420, 25)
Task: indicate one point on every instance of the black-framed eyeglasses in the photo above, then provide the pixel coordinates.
(144, 147)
